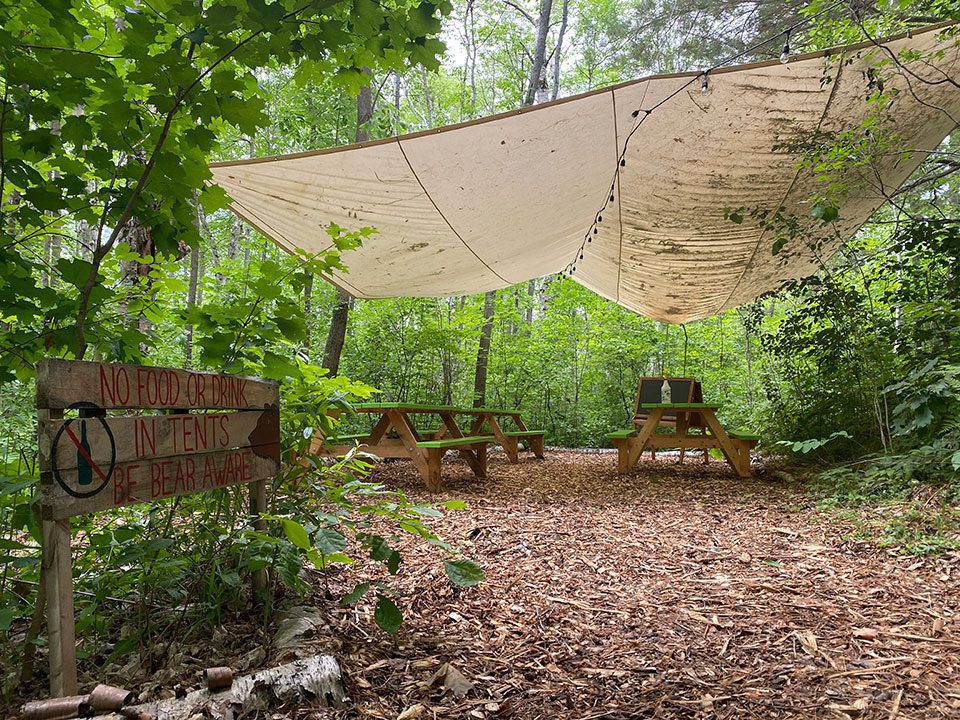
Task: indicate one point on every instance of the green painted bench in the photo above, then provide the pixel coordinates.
(455, 442)
(342, 439)
(533, 439)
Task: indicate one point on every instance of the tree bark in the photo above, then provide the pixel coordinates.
(307, 312)
(191, 302)
(537, 86)
(337, 333)
(483, 350)
(557, 51)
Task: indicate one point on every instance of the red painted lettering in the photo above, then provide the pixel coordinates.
(156, 487)
(223, 439)
(122, 385)
(200, 428)
(117, 485)
(191, 479)
(142, 376)
(145, 437)
(115, 386)
(131, 484)
(106, 388)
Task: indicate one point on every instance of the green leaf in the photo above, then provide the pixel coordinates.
(826, 212)
(296, 534)
(74, 271)
(463, 572)
(358, 592)
(7, 615)
(454, 504)
(329, 541)
(387, 615)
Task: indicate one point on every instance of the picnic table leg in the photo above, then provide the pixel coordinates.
(647, 430)
(623, 455)
(682, 423)
(433, 468)
(730, 451)
(450, 424)
(408, 435)
(510, 445)
(536, 444)
(379, 430)
(481, 451)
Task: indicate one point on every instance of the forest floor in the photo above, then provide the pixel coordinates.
(674, 592)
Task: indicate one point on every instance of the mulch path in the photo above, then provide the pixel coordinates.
(674, 592)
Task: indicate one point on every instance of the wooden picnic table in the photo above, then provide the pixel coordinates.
(426, 449)
(631, 443)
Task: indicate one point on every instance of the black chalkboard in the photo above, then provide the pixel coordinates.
(682, 390)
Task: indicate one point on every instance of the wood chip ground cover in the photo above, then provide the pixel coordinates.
(675, 592)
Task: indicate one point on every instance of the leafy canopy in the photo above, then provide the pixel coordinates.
(110, 113)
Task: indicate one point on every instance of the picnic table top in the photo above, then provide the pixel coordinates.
(421, 408)
(681, 406)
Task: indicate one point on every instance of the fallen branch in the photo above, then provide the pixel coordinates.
(313, 681)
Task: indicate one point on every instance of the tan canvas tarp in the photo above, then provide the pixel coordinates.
(486, 204)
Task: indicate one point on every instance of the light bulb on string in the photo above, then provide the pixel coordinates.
(785, 55)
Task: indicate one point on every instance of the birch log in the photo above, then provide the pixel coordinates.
(314, 681)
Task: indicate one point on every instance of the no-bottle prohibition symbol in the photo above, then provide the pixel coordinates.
(92, 476)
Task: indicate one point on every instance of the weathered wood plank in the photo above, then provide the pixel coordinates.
(63, 443)
(61, 632)
(65, 383)
(155, 479)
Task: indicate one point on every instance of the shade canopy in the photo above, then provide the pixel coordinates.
(489, 203)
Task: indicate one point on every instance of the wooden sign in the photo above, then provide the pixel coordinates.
(97, 461)
(63, 384)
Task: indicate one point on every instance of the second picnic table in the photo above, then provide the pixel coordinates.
(631, 443)
(427, 449)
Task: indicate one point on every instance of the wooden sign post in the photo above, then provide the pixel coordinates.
(96, 461)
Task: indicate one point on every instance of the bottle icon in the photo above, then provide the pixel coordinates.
(84, 471)
(665, 392)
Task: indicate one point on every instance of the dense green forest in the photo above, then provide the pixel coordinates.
(113, 247)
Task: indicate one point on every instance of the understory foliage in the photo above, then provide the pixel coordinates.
(114, 247)
(109, 115)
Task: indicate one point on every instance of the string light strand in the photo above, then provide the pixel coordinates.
(641, 114)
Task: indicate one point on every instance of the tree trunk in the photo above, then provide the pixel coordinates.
(307, 312)
(557, 51)
(428, 100)
(531, 301)
(483, 350)
(537, 86)
(191, 302)
(86, 239)
(337, 333)
(395, 123)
